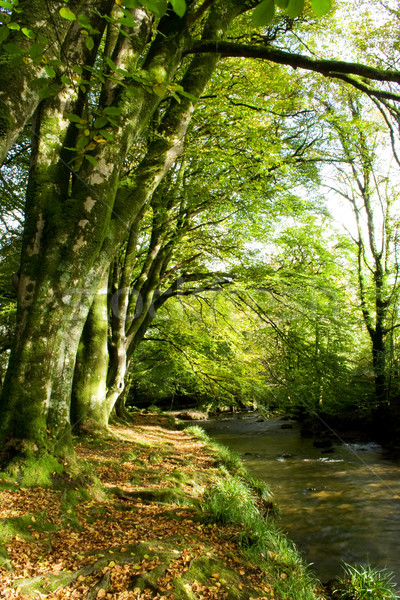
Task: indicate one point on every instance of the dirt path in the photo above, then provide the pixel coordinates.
(140, 535)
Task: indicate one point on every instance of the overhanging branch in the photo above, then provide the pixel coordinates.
(328, 68)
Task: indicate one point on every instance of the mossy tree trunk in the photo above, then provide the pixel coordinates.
(89, 409)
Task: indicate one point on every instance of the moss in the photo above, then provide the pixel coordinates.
(40, 472)
(44, 585)
(202, 571)
(162, 495)
(4, 560)
(16, 526)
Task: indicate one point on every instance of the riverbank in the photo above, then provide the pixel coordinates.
(142, 523)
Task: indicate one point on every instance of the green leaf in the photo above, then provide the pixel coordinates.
(282, 4)
(14, 25)
(73, 117)
(321, 7)
(127, 20)
(159, 89)
(158, 7)
(48, 90)
(179, 7)
(295, 8)
(84, 21)
(67, 13)
(43, 40)
(4, 31)
(89, 43)
(55, 62)
(111, 63)
(113, 111)
(91, 159)
(36, 51)
(13, 48)
(130, 3)
(82, 142)
(50, 71)
(263, 13)
(100, 122)
(66, 80)
(5, 4)
(28, 32)
(182, 92)
(107, 135)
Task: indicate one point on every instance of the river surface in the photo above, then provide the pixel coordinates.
(338, 507)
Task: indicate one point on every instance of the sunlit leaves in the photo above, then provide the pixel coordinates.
(264, 13)
(179, 7)
(158, 7)
(28, 32)
(295, 8)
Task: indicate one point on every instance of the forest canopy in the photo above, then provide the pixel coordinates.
(199, 205)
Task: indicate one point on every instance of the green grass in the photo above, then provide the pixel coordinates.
(223, 455)
(366, 583)
(230, 500)
(198, 432)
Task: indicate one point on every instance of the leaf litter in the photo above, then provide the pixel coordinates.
(119, 545)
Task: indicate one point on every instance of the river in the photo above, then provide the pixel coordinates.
(337, 507)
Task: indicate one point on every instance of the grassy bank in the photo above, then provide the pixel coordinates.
(154, 513)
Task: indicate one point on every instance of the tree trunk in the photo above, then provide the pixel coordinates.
(89, 406)
(19, 96)
(35, 412)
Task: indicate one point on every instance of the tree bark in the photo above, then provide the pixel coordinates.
(89, 409)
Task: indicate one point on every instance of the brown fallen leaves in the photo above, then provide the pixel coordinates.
(116, 548)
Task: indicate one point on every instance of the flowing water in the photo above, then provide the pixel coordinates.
(337, 507)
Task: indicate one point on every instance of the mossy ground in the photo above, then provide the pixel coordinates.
(140, 535)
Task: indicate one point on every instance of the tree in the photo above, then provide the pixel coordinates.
(372, 197)
(194, 218)
(104, 79)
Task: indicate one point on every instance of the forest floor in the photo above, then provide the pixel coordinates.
(138, 534)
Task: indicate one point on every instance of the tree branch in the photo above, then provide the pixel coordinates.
(328, 68)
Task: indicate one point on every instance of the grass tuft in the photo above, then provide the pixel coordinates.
(366, 583)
